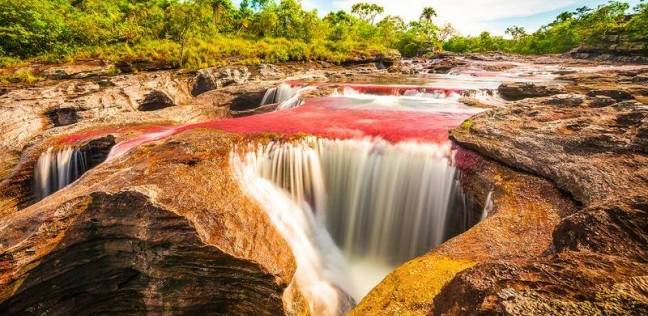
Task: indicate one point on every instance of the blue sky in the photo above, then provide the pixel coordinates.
(471, 16)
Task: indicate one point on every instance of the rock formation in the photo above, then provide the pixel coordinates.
(133, 237)
(165, 227)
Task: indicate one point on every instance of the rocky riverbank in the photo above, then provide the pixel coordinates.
(164, 228)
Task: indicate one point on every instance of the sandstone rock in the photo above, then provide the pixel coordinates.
(29, 111)
(156, 100)
(640, 79)
(596, 265)
(565, 100)
(588, 152)
(600, 101)
(64, 116)
(132, 236)
(271, 72)
(522, 90)
(214, 78)
(619, 95)
(443, 66)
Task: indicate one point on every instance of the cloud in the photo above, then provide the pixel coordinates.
(468, 16)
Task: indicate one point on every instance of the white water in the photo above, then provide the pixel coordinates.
(285, 95)
(488, 205)
(321, 273)
(415, 100)
(382, 203)
(56, 169)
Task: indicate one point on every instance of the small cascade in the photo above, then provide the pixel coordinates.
(56, 168)
(285, 95)
(382, 203)
(489, 97)
(488, 206)
(400, 90)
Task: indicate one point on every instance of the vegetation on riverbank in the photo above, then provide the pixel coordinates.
(201, 33)
(584, 26)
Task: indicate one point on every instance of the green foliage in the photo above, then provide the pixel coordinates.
(201, 33)
(569, 30)
(194, 33)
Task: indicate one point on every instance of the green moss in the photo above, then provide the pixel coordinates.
(467, 124)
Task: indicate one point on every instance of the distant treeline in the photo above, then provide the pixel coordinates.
(200, 33)
(614, 23)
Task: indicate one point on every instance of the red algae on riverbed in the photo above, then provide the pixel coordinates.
(331, 117)
(94, 133)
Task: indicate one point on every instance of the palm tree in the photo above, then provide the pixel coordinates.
(428, 14)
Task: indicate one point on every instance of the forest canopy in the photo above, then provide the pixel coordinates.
(201, 33)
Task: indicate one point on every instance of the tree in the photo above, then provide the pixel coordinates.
(516, 32)
(428, 14)
(367, 11)
(445, 32)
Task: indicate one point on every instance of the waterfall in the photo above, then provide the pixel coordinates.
(382, 203)
(56, 168)
(321, 273)
(285, 95)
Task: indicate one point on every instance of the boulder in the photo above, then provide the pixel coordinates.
(586, 151)
(513, 91)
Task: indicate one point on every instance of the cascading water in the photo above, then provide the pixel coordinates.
(56, 168)
(488, 205)
(321, 273)
(382, 203)
(285, 95)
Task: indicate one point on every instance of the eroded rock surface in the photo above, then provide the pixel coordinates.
(164, 229)
(523, 90)
(596, 262)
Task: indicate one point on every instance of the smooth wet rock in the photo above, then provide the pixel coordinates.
(522, 90)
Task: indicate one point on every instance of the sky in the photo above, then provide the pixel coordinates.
(471, 17)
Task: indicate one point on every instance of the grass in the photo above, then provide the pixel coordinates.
(23, 75)
(217, 51)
